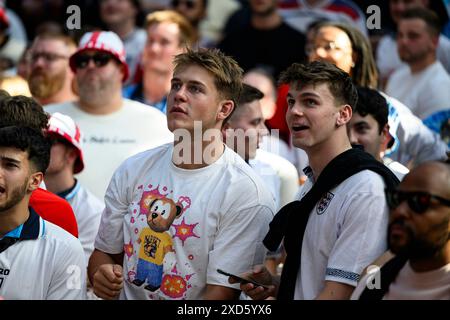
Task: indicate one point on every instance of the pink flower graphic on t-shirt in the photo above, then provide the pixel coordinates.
(183, 231)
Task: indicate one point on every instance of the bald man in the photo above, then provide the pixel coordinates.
(419, 235)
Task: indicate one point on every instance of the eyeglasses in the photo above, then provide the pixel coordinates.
(81, 61)
(419, 202)
(190, 4)
(328, 47)
(47, 56)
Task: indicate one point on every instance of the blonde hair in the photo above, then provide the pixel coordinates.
(225, 70)
(187, 35)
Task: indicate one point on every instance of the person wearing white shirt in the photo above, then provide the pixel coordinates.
(177, 213)
(39, 260)
(423, 84)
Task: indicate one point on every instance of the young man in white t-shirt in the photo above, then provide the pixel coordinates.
(419, 235)
(38, 260)
(345, 229)
(177, 213)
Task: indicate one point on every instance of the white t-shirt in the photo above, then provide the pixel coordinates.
(110, 139)
(286, 172)
(424, 92)
(416, 141)
(346, 231)
(225, 214)
(411, 285)
(397, 168)
(270, 178)
(273, 144)
(51, 267)
(88, 211)
(388, 60)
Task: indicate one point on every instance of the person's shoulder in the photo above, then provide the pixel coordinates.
(142, 109)
(244, 177)
(43, 197)
(365, 181)
(146, 157)
(348, 7)
(91, 200)
(400, 73)
(64, 107)
(57, 235)
(274, 160)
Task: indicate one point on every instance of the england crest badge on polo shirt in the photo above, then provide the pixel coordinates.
(324, 203)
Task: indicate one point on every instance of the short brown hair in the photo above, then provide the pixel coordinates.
(318, 72)
(430, 18)
(22, 111)
(187, 31)
(68, 41)
(225, 70)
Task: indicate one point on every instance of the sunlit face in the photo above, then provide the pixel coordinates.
(163, 44)
(422, 234)
(414, 42)
(14, 177)
(98, 81)
(333, 45)
(312, 115)
(48, 67)
(193, 97)
(249, 119)
(365, 131)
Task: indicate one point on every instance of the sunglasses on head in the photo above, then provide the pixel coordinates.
(100, 60)
(190, 4)
(419, 202)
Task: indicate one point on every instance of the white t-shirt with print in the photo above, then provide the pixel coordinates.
(110, 139)
(51, 267)
(346, 231)
(225, 214)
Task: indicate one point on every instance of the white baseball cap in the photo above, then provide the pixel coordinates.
(105, 41)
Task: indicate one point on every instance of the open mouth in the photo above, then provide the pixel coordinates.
(2, 190)
(298, 128)
(178, 109)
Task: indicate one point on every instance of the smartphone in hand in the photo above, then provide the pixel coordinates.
(242, 280)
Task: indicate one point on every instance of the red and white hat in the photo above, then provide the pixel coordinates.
(64, 127)
(105, 41)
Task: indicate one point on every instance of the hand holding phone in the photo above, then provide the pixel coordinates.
(241, 279)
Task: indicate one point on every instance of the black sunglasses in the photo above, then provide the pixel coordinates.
(419, 202)
(189, 3)
(100, 60)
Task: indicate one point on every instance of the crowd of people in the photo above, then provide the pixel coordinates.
(282, 141)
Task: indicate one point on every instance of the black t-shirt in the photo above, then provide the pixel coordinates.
(274, 49)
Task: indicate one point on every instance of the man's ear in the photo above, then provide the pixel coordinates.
(345, 114)
(35, 181)
(385, 138)
(71, 155)
(226, 108)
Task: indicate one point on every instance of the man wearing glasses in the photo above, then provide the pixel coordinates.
(50, 78)
(115, 128)
(419, 236)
